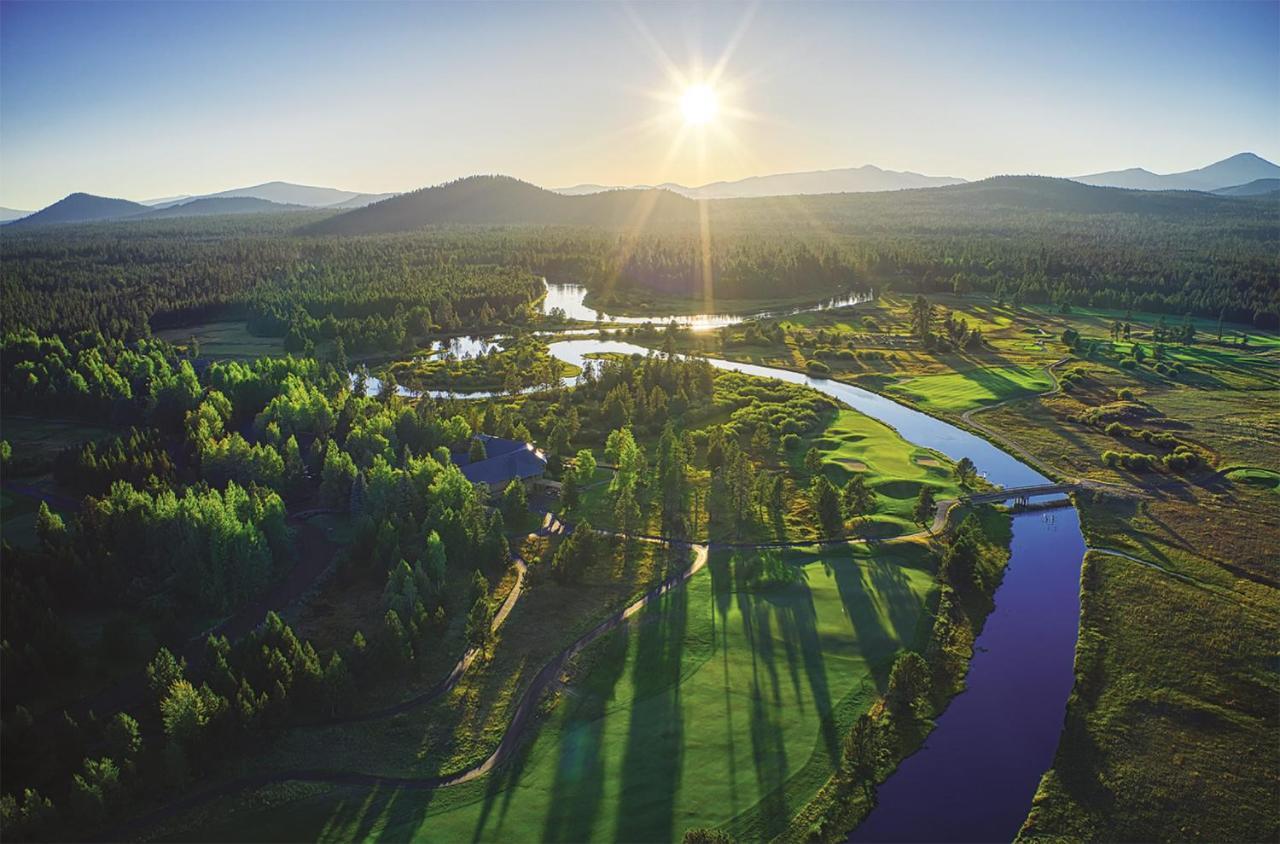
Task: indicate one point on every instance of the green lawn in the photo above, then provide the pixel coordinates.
(957, 392)
(224, 340)
(717, 706)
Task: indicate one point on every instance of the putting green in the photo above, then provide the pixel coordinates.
(717, 706)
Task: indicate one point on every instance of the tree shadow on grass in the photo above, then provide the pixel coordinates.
(578, 788)
(900, 602)
(654, 753)
(768, 751)
(801, 625)
(862, 606)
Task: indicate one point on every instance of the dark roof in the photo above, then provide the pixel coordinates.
(507, 460)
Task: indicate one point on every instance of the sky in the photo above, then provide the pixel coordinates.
(151, 100)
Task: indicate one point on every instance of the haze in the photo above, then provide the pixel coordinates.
(144, 101)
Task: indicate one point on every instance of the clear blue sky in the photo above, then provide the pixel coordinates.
(143, 101)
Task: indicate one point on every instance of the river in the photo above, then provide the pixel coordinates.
(975, 776)
(571, 300)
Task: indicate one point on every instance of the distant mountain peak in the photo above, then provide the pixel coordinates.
(80, 207)
(1239, 169)
(866, 178)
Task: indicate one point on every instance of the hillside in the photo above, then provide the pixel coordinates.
(1236, 170)
(222, 205)
(1001, 200)
(502, 200)
(1258, 187)
(82, 208)
(7, 214)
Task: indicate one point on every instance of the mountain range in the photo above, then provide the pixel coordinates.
(501, 200)
(862, 179)
(286, 193)
(1238, 170)
(273, 197)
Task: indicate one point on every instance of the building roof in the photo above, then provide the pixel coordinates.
(507, 460)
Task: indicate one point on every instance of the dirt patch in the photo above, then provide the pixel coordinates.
(928, 461)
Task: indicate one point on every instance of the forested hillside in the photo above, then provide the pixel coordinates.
(1021, 239)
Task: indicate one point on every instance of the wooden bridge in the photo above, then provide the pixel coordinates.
(1020, 494)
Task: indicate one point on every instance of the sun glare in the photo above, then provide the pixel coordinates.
(698, 104)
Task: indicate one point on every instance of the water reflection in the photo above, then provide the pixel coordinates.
(570, 299)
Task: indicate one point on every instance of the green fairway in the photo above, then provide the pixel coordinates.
(895, 469)
(720, 705)
(960, 391)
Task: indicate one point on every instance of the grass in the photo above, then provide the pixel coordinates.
(957, 392)
(36, 440)
(224, 340)
(18, 519)
(896, 469)
(1170, 732)
(1261, 478)
(719, 705)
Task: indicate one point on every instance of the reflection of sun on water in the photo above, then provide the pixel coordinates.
(698, 104)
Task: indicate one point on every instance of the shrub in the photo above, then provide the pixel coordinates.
(1128, 363)
(790, 442)
(818, 369)
(1125, 394)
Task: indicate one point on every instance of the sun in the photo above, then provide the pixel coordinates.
(698, 104)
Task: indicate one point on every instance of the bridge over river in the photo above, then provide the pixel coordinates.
(1020, 494)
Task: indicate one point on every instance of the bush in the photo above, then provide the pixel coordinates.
(1138, 462)
(818, 369)
(790, 442)
(1128, 363)
(1125, 394)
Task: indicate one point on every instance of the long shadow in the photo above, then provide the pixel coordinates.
(864, 614)
(578, 787)
(894, 590)
(380, 800)
(802, 625)
(768, 751)
(501, 781)
(654, 754)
